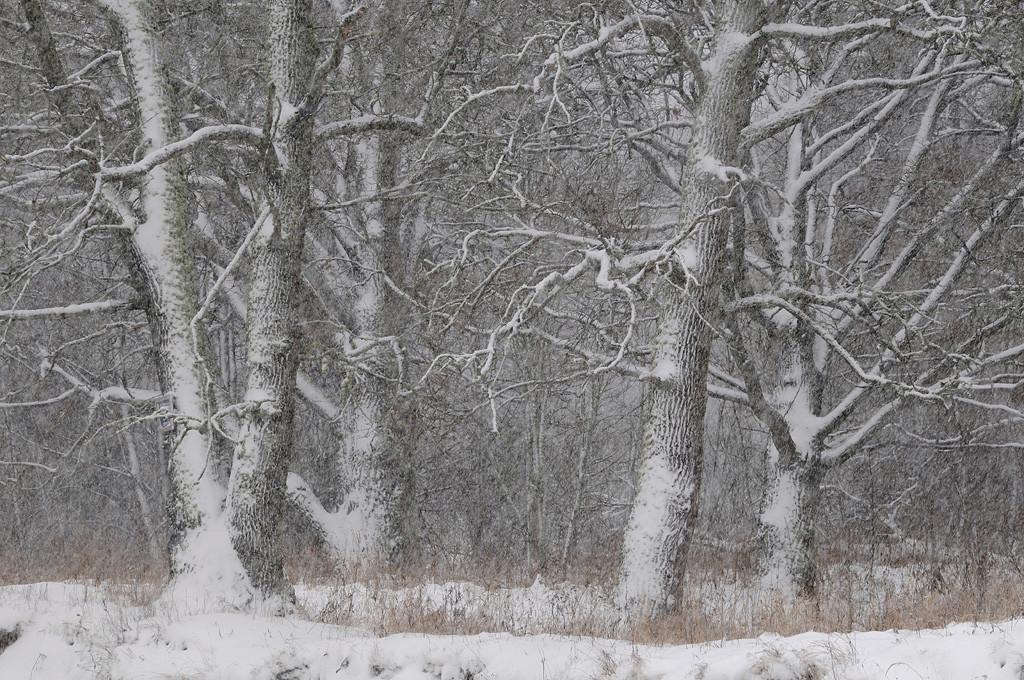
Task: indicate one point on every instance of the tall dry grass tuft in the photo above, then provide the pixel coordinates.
(80, 560)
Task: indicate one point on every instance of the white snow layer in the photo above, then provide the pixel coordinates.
(658, 495)
(84, 632)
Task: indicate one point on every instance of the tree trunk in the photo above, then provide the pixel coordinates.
(668, 480)
(51, 66)
(786, 523)
(793, 467)
(149, 518)
(203, 567)
(374, 457)
(591, 409)
(259, 474)
(536, 552)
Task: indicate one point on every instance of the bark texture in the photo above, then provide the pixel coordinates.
(786, 523)
(665, 510)
(790, 408)
(201, 559)
(50, 62)
(259, 474)
(375, 456)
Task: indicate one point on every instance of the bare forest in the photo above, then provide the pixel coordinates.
(711, 309)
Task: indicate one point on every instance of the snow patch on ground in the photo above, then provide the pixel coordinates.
(76, 632)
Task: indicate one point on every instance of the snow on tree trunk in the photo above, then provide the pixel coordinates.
(793, 467)
(260, 469)
(358, 465)
(203, 566)
(372, 461)
(786, 522)
(668, 480)
(377, 504)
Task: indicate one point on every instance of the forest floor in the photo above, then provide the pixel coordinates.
(366, 631)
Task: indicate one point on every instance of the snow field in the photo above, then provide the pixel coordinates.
(74, 631)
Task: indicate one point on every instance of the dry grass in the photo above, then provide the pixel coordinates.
(714, 606)
(845, 602)
(80, 561)
(719, 601)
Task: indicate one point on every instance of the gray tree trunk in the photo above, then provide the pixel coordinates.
(789, 406)
(204, 569)
(375, 456)
(664, 511)
(786, 523)
(259, 474)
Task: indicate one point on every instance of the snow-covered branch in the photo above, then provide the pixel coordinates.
(67, 311)
(794, 31)
(370, 123)
(213, 133)
(813, 98)
(115, 393)
(40, 402)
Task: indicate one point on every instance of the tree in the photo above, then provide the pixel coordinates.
(220, 237)
(225, 537)
(668, 480)
(849, 292)
(256, 492)
(420, 235)
(746, 79)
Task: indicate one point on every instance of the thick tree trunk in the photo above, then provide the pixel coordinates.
(668, 480)
(385, 479)
(793, 467)
(372, 469)
(373, 459)
(203, 566)
(259, 474)
(786, 524)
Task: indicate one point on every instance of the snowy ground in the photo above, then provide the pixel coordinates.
(67, 631)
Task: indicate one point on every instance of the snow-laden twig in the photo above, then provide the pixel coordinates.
(67, 311)
(41, 402)
(856, 29)
(114, 393)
